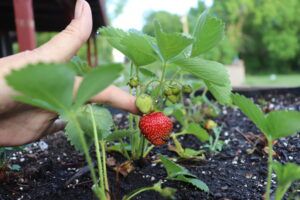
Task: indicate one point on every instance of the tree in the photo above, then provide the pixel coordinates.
(170, 22)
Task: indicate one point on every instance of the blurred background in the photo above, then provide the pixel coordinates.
(261, 46)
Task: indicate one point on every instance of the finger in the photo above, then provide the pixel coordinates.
(117, 98)
(65, 44)
(56, 126)
(61, 48)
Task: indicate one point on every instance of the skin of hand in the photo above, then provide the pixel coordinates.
(20, 123)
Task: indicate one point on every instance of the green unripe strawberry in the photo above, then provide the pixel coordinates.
(133, 82)
(168, 91)
(144, 103)
(173, 98)
(187, 89)
(175, 89)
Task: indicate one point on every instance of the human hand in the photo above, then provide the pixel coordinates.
(21, 124)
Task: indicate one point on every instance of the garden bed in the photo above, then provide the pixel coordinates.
(238, 172)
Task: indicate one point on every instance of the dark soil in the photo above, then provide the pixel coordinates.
(237, 172)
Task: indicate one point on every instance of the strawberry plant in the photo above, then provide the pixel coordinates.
(166, 192)
(178, 173)
(274, 125)
(157, 58)
(52, 89)
(286, 174)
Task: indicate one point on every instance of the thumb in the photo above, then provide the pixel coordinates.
(65, 44)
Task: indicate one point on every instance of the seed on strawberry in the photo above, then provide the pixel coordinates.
(156, 127)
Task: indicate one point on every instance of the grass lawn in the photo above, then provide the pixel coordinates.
(292, 80)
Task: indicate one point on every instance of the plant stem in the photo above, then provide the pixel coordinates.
(102, 143)
(178, 146)
(98, 155)
(161, 79)
(138, 192)
(217, 135)
(270, 161)
(148, 150)
(72, 117)
(142, 147)
(131, 119)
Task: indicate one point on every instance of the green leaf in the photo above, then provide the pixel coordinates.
(147, 73)
(120, 134)
(283, 123)
(252, 111)
(179, 115)
(171, 167)
(221, 93)
(49, 86)
(73, 137)
(194, 181)
(79, 66)
(97, 80)
(139, 48)
(104, 123)
(208, 33)
(286, 175)
(114, 37)
(214, 75)
(197, 131)
(209, 71)
(191, 153)
(170, 44)
(103, 118)
(135, 45)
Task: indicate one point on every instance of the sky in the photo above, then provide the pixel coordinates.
(135, 11)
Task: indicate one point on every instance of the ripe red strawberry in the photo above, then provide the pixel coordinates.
(156, 127)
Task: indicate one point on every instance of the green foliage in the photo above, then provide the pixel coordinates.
(208, 33)
(170, 22)
(263, 33)
(252, 111)
(214, 75)
(286, 175)
(89, 87)
(170, 44)
(179, 173)
(197, 131)
(116, 6)
(275, 125)
(79, 66)
(283, 123)
(215, 144)
(133, 44)
(104, 125)
(51, 88)
(142, 50)
(166, 192)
